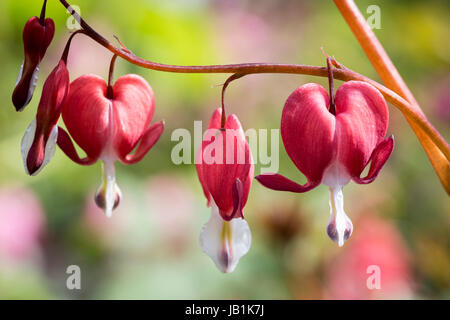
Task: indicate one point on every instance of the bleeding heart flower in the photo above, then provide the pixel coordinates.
(334, 149)
(39, 142)
(108, 123)
(37, 35)
(225, 169)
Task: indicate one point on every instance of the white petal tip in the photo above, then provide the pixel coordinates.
(108, 194)
(27, 142)
(225, 242)
(339, 227)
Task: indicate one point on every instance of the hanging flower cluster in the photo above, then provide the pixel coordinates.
(331, 141)
(108, 121)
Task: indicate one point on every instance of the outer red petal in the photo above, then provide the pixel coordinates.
(237, 192)
(200, 174)
(308, 132)
(36, 39)
(86, 114)
(53, 94)
(278, 182)
(378, 159)
(216, 119)
(148, 140)
(214, 123)
(66, 145)
(134, 105)
(362, 119)
(99, 124)
(218, 179)
(55, 90)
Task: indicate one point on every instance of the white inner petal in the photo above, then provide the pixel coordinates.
(33, 83)
(342, 224)
(19, 76)
(225, 242)
(50, 148)
(111, 188)
(335, 175)
(339, 226)
(27, 142)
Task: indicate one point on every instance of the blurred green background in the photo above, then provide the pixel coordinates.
(149, 249)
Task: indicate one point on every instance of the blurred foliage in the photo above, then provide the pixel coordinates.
(136, 258)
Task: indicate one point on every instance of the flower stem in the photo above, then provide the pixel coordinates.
(68, 43)
(42, 17)
(224, 88)
(109, 92)
(436, 148)
(331, 86)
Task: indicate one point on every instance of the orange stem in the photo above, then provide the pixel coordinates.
(435, 146)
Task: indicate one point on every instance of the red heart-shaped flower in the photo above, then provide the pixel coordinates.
(105, 127)
(333, 148)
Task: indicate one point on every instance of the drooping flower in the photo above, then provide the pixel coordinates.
(39, 142)
(37, 35)
(225, 169)
(108, 123)
(333, 149)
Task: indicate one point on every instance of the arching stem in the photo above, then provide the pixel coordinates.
(65, 54)
(420, 124)
(224, 88)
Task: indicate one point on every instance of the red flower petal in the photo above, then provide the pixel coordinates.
(134, 106)
(214, 123)
(44, 130)
(201, 178)
(66, 145)
(86, 114)
(378, 159)
(238, 195)
(362, 118)
(216, 118)
(114, 126)
(36, 39)
(150, 137)
(226, 158)
(278, 182)
(307, 130)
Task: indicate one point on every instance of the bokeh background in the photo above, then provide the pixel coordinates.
(149, 249)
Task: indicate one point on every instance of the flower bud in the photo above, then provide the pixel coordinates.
(36, 39)
(225, 169)
(39, 141)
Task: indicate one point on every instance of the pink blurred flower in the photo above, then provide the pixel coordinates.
(442, 100)
(244, 36)
(22, 223)
(377, 246)
(172, 207)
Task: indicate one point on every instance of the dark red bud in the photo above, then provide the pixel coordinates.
(36, 39)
